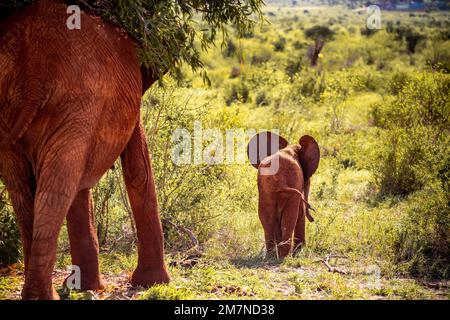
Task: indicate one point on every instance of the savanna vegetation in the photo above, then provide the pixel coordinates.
(377, 101)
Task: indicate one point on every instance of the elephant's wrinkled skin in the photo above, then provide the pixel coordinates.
(69, 107)
(283, 196)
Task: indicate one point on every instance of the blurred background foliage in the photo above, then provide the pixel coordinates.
(378, 104)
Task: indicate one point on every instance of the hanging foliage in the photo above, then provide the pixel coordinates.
(169, 32)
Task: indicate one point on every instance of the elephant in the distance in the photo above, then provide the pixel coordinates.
(69, 107)
(284, 173)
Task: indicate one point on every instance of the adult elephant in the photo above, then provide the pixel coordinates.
(284, 173)
(69, 107)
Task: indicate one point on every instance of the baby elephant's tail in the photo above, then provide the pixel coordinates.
(309, 207)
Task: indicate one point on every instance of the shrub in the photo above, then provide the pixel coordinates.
(298, 45)
(422, 242)
(113, 215)
(368, 32)
(293, 66)
(187, 194)
(235, 72)
(408, 34)
(398, 81)
(309, 84)
(261, 57)
(413, 162)
(9, 233)
(280, 44)
(403, 164)
(237, 93)
(262, 99)
(437, 54)
(230, 49)
(418, 121)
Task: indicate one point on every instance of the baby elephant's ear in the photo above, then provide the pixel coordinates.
(309, 156)
(262, 145)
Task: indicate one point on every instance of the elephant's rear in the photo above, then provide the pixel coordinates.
(78, 84)
(10, 89)
(276, 188)
(277, 172)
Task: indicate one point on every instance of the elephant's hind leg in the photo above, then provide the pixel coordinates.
(140, 185)
(61, 167)
(84, 246)
(288, 207)
(270, 220)
(299, 232)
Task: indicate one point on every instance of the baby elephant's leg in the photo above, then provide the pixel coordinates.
(269, 217)
(299, 232)
(288, 208)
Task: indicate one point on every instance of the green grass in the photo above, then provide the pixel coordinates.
(8, 285)
(300, 277)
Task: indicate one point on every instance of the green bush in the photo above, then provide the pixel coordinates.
(230, 49)
(413, 162)
(280, 44)
(398, 82)
(402, 165)
(188, 194)
(422, 243)
(113, 215)
(294, 66)
(260, 58)
(309, 84)
(237, 93)
(411, 36)
(416, 136)
(262, 99)
(9, 233)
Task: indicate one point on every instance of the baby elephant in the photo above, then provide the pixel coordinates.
(284, 173)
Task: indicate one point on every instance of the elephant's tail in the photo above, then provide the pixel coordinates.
(293, 190)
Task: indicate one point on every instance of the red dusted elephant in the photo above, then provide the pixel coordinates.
(69, 107)
(284, 173)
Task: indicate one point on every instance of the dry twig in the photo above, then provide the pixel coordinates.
(330, 268)
(185, 230)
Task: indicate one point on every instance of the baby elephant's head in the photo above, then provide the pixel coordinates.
(265, 144)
